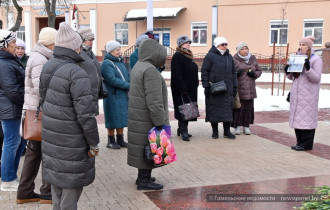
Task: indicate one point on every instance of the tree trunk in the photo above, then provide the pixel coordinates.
(50, 8)
(18, 18)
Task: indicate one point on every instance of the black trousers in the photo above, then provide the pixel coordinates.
(144, 175)
(183, 126)
(32, 162)
(305, 138)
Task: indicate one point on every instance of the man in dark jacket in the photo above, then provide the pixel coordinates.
(69, 128)
(91, 65)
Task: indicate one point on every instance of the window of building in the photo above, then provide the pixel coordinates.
(199, 33)
(314, 28)
(278, 32)
(121, 33)
(20, 33)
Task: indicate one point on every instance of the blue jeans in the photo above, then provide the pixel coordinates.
(13, 146)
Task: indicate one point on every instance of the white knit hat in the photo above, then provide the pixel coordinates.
(112, 45)
(6, 37)
(219, 40)
(240, 46)
(20, 43)
(66, 37)
(47, 36)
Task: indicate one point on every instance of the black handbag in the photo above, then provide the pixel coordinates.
(147, 156)
(218, 87)
(103, 91)
(189, 110)
(288, 97)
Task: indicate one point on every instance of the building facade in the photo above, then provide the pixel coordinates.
(259, 23)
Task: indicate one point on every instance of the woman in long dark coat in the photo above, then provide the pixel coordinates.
(218, 65)
(184, 82)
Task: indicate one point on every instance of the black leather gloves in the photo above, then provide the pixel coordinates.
(251, 74)
(239, 72)
(307, 64)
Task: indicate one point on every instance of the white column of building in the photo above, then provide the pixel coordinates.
(28, 32)
(93, 26)
(67, 17)
(150, 16)
(214, 21)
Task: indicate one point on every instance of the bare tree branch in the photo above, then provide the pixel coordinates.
(18, 18)
(50, 8)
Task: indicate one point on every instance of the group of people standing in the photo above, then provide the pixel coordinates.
(238, 73)
(64, 78)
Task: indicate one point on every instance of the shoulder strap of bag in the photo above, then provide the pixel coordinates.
(121, 74)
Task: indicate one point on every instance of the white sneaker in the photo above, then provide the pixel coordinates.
(238, 131)
(247, 131)
(9, 186)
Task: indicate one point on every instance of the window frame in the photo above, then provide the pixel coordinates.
(115, 33)
(20, 33)
(278, 22)
(199, 23)
(314, 21)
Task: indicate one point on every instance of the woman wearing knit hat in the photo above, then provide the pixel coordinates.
(248, 71)
(69, 129)
(11, 104)
(40, 54)
(20, 52)
(218, 66)
(115, 106)
(184, 82)
(304, 96)
(133, 58)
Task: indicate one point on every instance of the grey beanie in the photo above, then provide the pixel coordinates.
(182, 39)
(86, 33)
(112, 45)
(140, 39)
(66, 37)
(240, 46)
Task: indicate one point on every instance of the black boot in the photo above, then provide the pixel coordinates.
(120, 141)
(215, 131)
(152, 179)
(183, 129)
(178, 133)
(226, 131)
(145, 183)
(112, 143)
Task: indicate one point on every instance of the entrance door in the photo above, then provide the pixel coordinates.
(163, 36)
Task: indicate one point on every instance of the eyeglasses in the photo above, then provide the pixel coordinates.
(224, 44)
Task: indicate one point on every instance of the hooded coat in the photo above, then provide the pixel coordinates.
(38, 57)
(11, 86)
(116, 104)
(69, 125)
(217, 67)
(148, 105)
(304, 96)
(184, 79)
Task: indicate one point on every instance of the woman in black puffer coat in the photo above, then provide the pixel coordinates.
(218, 65)
(184, 82)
